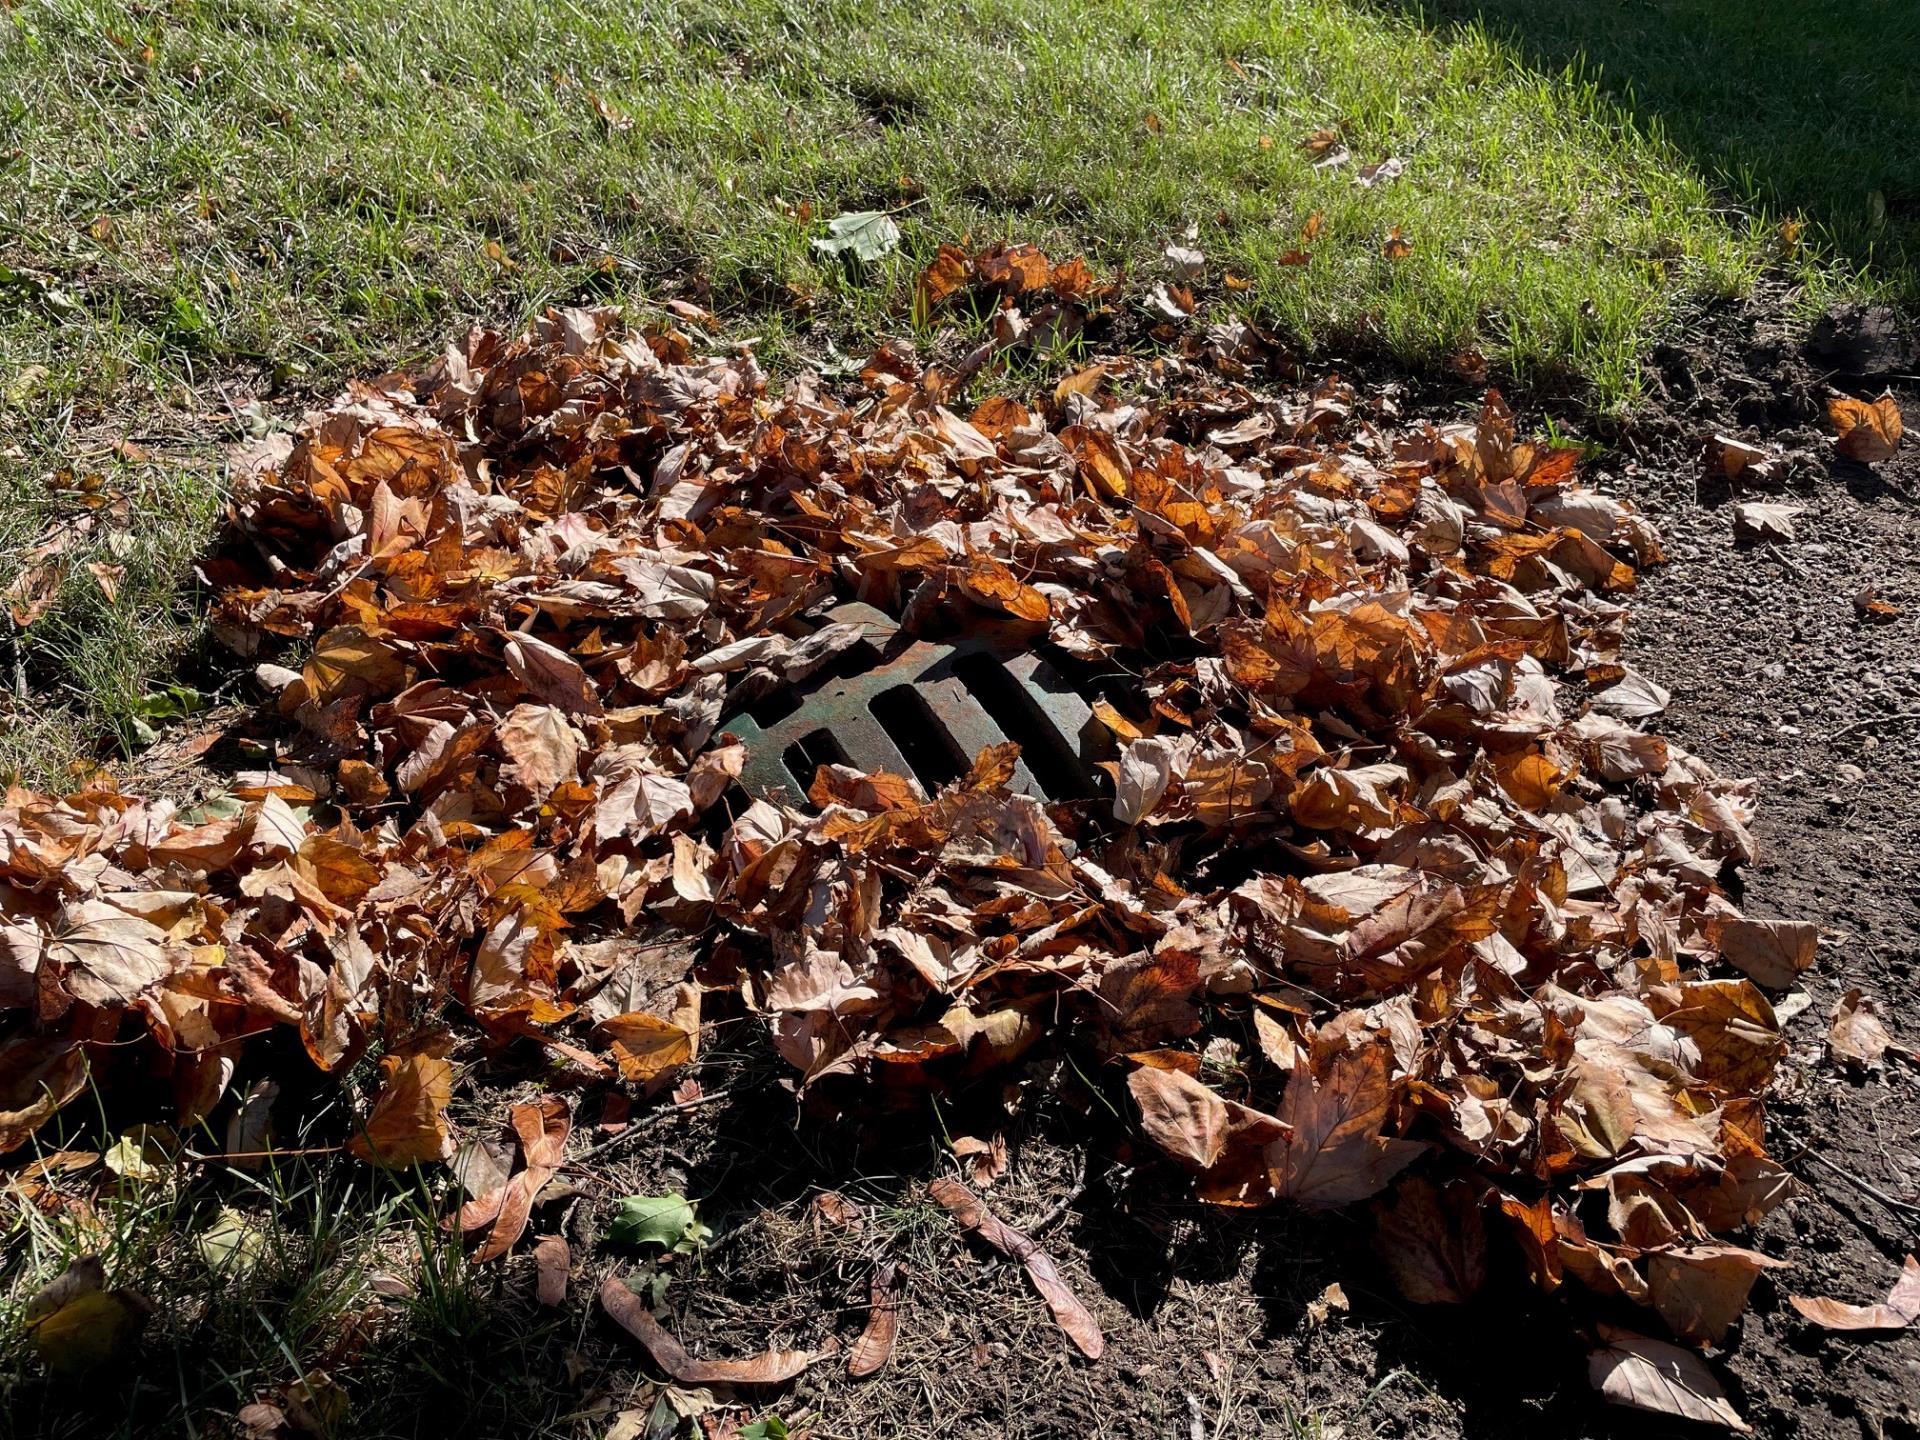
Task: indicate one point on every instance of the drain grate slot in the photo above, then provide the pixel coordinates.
(903, 712)
(924, 709)
(1053, 758)
(809, 753)
(769, 710)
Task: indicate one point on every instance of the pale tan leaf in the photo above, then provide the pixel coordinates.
(1646, 1374)
(105, 956)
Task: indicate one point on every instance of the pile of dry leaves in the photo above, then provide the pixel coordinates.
(1384, 846)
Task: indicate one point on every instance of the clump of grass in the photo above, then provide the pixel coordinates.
(349, 1283)
(121, 609)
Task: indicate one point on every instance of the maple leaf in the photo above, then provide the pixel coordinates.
(1867, 431)
(1333, 1152)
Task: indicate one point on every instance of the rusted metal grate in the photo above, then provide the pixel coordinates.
(925, 709)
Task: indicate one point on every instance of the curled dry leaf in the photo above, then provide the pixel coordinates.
(1646, 1374)
(542, 1129)
(1180, 1115)
(1856, 1034)
(1900, 1309)
(630, 1313)
(1072, 1316)
(1331, 1301)
(837, 1212)
(1734, 458)
(1866, 430)
(986, 1160)
(874, 1348)
(1379, 173)
(1766, 519)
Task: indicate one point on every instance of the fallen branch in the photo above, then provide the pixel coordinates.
(646, 1122)
(1866, 1187)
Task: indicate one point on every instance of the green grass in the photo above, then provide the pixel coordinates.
(215, 205)
(441, 1349)
(1809, 109)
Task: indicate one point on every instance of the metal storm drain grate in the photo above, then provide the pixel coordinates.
(923, 709)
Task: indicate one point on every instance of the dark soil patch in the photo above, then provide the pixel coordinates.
(1776, 674)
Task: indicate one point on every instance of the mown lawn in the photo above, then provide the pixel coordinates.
(1810, 109)
(212, 210)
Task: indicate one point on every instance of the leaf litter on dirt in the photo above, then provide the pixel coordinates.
(1379, 814)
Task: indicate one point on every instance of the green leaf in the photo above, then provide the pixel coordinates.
(663, 1220)
(223, 806)
(174, 702)
(767, 1427)
(864, 234)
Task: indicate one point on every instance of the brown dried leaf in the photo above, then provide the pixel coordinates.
(1772, 953)
(1180, 1115)
(1072, 1316)
(630, 1313)
(1432, 1241)
(874, 1348)
(1646, 1374)
(1701, 1290)
(1334, 1153)
(543, 747)
(104, 956)
(551, 1263)
(1900, 1309)
(552, 675)
(1857, 1034)
(408, 1124)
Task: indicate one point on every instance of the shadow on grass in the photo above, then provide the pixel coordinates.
(1809, 109)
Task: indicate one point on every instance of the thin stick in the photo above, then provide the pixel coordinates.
(232, 1155)
(646, 1122)
(1865, 1186)
(1903, 716)
(1074, 1192)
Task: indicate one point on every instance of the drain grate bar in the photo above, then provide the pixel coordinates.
(925, 709)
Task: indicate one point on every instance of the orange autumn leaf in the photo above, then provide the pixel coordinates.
(992, 584)
(408, 1123)
(1866, 430)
